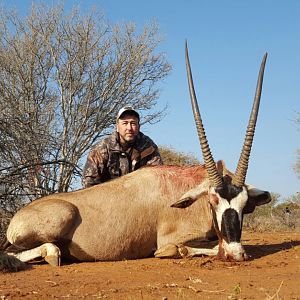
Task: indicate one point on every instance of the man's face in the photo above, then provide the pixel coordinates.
(128, 128)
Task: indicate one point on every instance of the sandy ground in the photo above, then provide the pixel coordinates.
(273, 272)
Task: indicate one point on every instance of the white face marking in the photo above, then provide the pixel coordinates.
(220, 206)
(234, 250)
(237, 203)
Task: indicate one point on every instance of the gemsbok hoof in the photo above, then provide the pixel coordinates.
(168, 251)
(53, 260)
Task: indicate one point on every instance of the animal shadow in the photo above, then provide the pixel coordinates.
(258, 251)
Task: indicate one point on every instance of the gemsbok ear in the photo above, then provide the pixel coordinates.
(259, 197)
(192, 195)
(183, 203)
(256, 197)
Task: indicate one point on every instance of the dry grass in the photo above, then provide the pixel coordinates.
(269, 218)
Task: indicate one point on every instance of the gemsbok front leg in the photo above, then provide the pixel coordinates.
(47, 251)
(182, 251)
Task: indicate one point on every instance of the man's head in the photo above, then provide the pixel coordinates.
(128, 124)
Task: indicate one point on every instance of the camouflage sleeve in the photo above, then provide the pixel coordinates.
(155, 158)
(95, 165)
(149, 153)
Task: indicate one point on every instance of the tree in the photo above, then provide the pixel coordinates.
(63, 77)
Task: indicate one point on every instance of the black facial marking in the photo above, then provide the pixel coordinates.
(249, 207)
(228, 191)
(230, 226)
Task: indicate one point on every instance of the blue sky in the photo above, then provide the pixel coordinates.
(227, 40)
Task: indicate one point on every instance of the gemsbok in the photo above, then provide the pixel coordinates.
(161, 209)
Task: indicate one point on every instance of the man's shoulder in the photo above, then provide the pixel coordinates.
(108, 142)
(145, 141)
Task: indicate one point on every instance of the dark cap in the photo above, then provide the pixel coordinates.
(128, 109)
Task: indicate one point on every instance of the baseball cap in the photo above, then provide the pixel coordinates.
(128, 109)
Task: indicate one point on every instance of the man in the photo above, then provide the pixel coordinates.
(124, 151)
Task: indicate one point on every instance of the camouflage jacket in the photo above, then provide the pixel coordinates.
(107, 160)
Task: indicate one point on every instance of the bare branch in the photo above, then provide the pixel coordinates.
(63, 77)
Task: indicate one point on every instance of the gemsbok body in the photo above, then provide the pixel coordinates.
(161, 209)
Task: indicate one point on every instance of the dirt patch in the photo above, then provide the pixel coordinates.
(273, 272)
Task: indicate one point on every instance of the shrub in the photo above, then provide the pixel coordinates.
(275, 216)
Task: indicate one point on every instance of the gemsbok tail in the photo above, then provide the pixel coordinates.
(9, 263)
